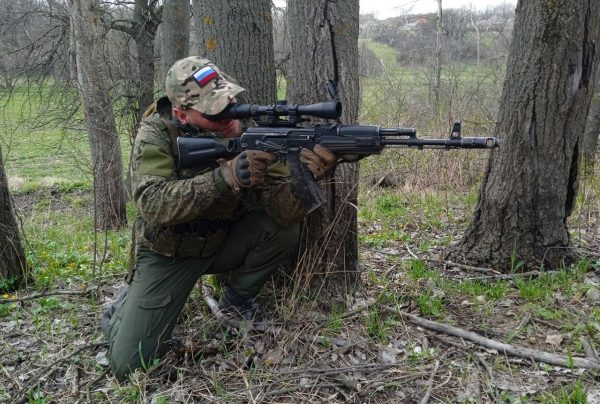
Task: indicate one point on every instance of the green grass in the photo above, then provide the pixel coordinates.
(573, 394)
(61, 243)
(378, 326)
(39, 154)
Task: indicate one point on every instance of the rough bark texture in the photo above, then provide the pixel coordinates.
(324, 45)
(530, 184)
(592, 129)
(174, 34)
(12, 258)
(237, 35)
(146, 18)
(102, 131)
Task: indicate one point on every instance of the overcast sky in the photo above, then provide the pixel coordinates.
(392, 8)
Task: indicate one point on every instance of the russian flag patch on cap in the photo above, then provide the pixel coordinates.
(205, 75)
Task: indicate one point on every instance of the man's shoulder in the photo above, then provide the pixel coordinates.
(153, 130)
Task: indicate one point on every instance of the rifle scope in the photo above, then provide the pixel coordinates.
(327, 110)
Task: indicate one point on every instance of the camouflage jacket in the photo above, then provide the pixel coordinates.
(188, 212)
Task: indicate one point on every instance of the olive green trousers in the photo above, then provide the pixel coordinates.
(141, 327)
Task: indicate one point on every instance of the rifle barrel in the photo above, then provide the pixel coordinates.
(451, 143)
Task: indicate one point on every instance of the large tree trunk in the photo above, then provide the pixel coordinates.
(102, 131)
(324, 45)
(174, 34)
(237, 35)
(529, 187)
(12, 258)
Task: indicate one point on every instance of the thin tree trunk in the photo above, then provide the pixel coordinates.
(145, 25)
(102, 131)
(324, 45)
(438, 61)
(530, 185)
(12, 257)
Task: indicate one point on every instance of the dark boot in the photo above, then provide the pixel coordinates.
(245, 307)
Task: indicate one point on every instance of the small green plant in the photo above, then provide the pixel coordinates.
(418, 270)
(335, 322)
(418, 355)
(36, 396)
(424, 246)
(8, 284)
(4, 310)
(147, 366)
(382, 239)
(377, 326)
(546, 313)
(160, 400)
(508, 397)
(220, 390)
(130, 393)
(532, 290)
(515, 263)
(575, 394)
(430, 305)
(595, 314)
(390, 297)
(390, 205)
(496, 290)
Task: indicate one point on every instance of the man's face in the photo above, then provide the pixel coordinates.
(225, 127)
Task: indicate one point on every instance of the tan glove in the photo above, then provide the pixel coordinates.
(318, 160)
(246, 170)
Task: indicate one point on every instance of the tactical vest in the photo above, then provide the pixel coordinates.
(200, 238)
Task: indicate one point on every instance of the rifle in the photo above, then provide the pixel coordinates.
(284, 138)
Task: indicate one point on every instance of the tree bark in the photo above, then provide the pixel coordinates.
(12, 257)
(438, 61)
(146, 18)
(237, 35)
(530, 184)
(323, 38)
(174, 34)
(592, 130)
(101, 128)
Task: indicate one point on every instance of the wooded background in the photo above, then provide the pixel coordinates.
(113, 58)
(502, 243)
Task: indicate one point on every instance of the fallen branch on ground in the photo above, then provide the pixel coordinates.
(507, 349)
(425, 398)
(467, 267)
(508, 277)
(46, 294)
(211, 302)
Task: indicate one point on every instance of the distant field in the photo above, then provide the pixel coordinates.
(39, 147)
(403, 95)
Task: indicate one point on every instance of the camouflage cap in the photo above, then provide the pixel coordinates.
(195, 82)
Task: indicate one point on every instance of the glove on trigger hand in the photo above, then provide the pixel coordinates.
(246, 170)
(318, 160)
